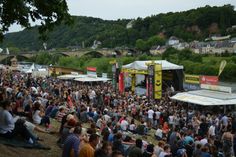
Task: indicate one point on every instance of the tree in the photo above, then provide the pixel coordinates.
(155, 40)
(141, 45)
(48, 12)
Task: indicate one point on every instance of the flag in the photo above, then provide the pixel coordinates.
(222, 66)
(121, 83)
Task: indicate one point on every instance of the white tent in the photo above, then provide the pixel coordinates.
(70, 76)
(206, 98)
(31, 69)
(141, 65)
(92, 79)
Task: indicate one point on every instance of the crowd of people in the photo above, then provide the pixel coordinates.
(96, 121)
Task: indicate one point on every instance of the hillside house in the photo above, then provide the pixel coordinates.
(156, 50)
(173, 41)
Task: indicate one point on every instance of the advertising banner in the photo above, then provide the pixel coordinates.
(133, 82)
(92, 71)
(150, 81)
(212, 80)
(194, 79)
(217, 88)
(189, 87)
(158, 81)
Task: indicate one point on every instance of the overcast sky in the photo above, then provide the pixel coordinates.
(119, 9)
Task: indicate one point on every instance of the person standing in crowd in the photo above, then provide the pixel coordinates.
(149, 152)
(227, 139)
(89, 148)
(71, 144)
(104, 151)
(136, 151)
(166, 152)
(117, 154)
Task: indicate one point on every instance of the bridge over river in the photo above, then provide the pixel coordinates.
(79, 53)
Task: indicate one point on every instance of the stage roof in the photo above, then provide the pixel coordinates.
(141, 65)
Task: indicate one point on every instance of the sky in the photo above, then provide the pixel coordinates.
(131, 9)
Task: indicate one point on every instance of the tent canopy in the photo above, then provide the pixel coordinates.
(70, 76)
(31, 69)
(92, 79)
(206, 98)
(141, 65)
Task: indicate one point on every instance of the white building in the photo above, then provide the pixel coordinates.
(173, 41)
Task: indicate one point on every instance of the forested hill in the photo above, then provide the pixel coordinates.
(195, 24)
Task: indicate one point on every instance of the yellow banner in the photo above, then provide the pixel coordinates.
(134, 71)
(133, 82)
(195, 79)
(158, 81)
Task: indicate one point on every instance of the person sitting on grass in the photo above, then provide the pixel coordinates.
(39, 115)
(10, 127)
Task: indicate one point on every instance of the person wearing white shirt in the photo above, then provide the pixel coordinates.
(124, 124)
(159, 133)
(166, 151)
(132, 126)
(211, 131)
(204, 141)
(171, 120)
(107, 118)
(150, 115)
(8, 127)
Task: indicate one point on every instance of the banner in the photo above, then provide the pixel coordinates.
(150, 81)
(91, 71)
(133, 82)
(94, 69)
(212, 80)
(121, 82)
(134, 71)
(114, 76)
(189, 86)
(158, 81)
(217, 88)
(192, 79)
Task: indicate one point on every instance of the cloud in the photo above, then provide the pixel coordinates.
(115, 9)
(120, 9)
